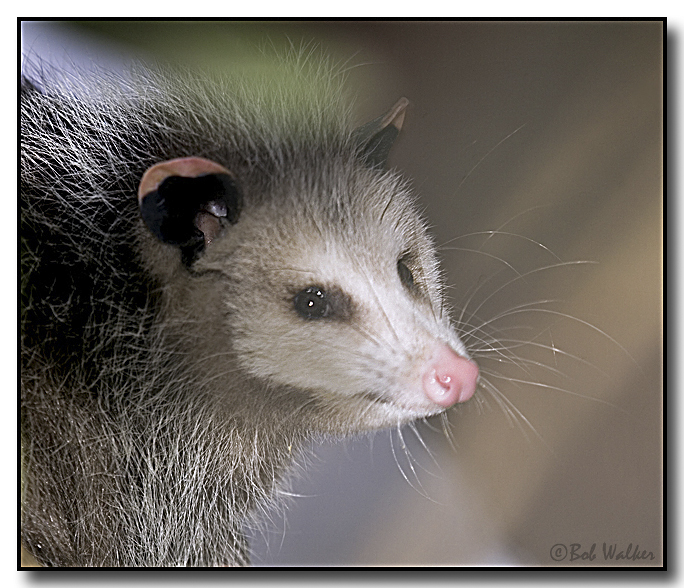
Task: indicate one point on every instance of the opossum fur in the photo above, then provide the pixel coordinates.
(166, 393)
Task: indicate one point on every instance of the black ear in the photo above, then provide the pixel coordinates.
(187, 202)
(377, 137)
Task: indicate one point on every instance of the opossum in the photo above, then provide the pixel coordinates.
(213, 272)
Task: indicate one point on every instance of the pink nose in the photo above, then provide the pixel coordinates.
(449, 378)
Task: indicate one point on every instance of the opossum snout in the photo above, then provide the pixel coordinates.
(449, 378)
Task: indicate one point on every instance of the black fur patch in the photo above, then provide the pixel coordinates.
(170, 211)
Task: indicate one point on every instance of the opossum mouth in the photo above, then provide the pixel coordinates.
(376, 398)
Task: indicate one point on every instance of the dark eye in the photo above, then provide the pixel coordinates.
(405, 275)
(312, 303)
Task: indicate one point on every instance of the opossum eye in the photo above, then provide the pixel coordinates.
(312, 303)
(406, 275)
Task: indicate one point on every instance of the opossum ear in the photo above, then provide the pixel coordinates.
(186, 202)
(377, 137)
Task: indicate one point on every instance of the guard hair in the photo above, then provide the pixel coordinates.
(169, 384)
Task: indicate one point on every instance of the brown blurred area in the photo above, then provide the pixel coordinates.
(552, 135)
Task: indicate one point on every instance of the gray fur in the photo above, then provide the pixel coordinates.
(163, 405)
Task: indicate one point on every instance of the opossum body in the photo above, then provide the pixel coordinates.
(212, 273)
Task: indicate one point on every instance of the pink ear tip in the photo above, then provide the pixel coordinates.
(187, 167)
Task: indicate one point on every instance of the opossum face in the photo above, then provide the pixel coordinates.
(329, 285)
(344, 303)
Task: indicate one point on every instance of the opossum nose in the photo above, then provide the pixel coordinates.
(449, 378)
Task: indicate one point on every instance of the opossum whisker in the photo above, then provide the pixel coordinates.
(414, 429)
(491, 347)
(512, 413)
(486, 336)
(521, 308)
(541, 385)
(497, 233)
(482, 283)
(527, 274)
(511, 344)
(524, 308)
(485, 157)
(505, 355)
(447, 430)
(418, 488)
(503, 348)
(515, 217)
(426, 423)
(411, 460)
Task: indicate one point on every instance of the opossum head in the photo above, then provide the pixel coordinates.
(328, 282)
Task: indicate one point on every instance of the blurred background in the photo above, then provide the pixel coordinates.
(550, 135)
